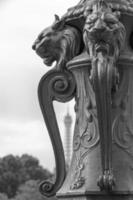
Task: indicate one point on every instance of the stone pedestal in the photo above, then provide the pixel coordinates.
(97, 196)
(81, 180)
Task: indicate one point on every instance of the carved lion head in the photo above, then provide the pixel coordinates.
(57, 43)
(103, 32)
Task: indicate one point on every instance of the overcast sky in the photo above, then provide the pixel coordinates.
(22, 129)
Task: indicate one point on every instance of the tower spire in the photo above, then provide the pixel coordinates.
(67, 142)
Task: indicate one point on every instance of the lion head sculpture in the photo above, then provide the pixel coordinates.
(103, 31)
(59, 43)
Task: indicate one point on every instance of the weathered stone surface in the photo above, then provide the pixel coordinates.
(93, 50)
(97, 196)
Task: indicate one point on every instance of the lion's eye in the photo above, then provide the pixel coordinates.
(110, 19)
(91, 21)
(110, 22)
(48, 34)
(40, 37)
(91, 18)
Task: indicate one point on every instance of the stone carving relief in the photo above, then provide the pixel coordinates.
(58, 43)
(123, 123)
(86, 135)
(93, 27)
(59, 86)
(103, 33)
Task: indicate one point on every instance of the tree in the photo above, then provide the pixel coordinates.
(9, 183)
(30, 191)
(32, 168)
(3, 197)
(15, 171)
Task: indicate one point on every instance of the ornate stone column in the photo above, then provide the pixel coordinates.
(92, 45)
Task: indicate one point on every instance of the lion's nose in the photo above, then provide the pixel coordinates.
(100, 26)
(34, 46)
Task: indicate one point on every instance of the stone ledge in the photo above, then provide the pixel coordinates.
(97, 196)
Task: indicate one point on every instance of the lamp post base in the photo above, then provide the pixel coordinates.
(97, 196)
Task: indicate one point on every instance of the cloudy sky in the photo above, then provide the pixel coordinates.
(22, 129)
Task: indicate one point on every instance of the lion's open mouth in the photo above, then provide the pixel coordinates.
(102, 46)
(42, 53)
(42, 50)
(48, 60)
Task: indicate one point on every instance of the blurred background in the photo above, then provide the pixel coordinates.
(24, 141)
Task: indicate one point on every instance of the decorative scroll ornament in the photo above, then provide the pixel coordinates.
(103, 34)
(123, 133)
(56, 43)
(86, 134)
(89, 138)
(122, 125)
(86, 142)
(79, 180)
(58, 86)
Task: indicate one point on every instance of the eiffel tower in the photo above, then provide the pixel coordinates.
(68, 137)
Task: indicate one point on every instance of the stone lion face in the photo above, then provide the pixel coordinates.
(58, 43)
(46, 45)
(103, 32)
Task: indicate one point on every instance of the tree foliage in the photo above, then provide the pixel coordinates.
(15, 171)
(30, 191)
(3, 196)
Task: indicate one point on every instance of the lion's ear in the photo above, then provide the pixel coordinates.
(58, 24)
(57, 18)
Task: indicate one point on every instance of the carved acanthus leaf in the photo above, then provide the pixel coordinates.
(86, 134)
